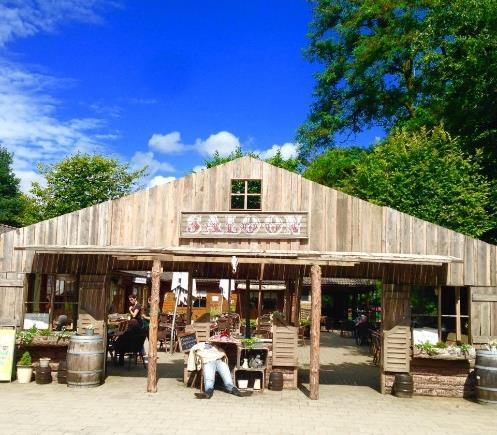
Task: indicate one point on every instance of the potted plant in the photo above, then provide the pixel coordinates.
(305, 324)
(24, 369)
(89, 330)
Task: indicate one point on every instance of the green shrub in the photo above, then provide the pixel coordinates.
(25, 360)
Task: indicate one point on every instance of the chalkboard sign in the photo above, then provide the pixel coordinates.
(186, 341)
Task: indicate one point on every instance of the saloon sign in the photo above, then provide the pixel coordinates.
(244, 225)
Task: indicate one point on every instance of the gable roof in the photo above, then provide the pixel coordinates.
(339, 225)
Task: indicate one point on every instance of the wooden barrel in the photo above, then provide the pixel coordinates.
(403, 385)
(276, 381)
(85, 361)
(43, 375)
(62, 373)
(486, 377)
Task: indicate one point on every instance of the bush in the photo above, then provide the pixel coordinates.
(25, 360)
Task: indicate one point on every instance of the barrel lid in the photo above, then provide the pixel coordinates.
(485, 353)
(86, 338)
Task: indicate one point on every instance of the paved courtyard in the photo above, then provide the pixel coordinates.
(349, 403)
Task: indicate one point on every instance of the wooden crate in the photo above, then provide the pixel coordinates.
(285, 341)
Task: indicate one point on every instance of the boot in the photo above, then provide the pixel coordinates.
(236, 392)
(207, 394)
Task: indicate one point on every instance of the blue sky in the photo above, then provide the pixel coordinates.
(162, 83)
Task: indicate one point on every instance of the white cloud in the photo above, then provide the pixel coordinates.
(22, 18)
(199, 168)
(288, 150)
(159, 179)
(167, 143)
(223, 142)
(141, 159)
(29, 126)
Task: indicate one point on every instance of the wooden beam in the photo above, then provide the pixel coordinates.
(247, 308)
(298, 295)
(205, 253)
(315, 331)
(259, 303)
(288, 301)
(189, 298)
(154, 324)
(458, 314)
(229, 295)
(53, 281)
(439, 313)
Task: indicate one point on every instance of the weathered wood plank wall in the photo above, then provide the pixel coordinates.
(337, 222)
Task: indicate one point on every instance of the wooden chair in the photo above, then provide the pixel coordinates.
(347, 327)
(135, 349)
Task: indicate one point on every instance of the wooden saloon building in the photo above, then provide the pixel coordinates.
(248, 220)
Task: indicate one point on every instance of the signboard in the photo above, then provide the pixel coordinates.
(244, 225)
(40, 320)
(7, 343)
(139, 280)
(187, 340)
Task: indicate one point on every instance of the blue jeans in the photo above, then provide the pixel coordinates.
(209, 371)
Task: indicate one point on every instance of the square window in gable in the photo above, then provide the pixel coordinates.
(246, 194)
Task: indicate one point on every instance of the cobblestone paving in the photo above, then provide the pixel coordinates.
(349, 403)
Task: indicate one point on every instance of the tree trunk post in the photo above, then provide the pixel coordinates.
(259, 304)
(315, 331)
(153, 327)
(189, 298)
(247, 309)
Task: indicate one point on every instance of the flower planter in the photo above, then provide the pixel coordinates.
(24, 374)
(44, 362)
(242, 384)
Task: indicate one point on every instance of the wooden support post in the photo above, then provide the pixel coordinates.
(287, 303)
(296, 302)
(259, 303)
(53, 281)
(75, 311)
(189, 298)
(153, 327)
(229, 296)
(315, 331)
(439, 313)
(247, 308)
(458, 315)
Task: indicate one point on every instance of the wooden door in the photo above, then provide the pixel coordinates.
(483, 314)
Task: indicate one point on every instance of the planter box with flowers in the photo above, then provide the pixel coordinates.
(441, 370)
(44, 344)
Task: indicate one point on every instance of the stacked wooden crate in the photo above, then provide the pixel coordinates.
(284, 356)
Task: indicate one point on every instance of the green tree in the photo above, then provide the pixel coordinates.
(463, 73)
(80, 181)
(11, 200)
(370, 52)
(427, 175)
(398, 62)
(335, 166)
(291, 164)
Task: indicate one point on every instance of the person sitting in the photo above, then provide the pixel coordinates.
(61, 322)
(211, 360)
